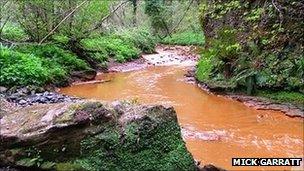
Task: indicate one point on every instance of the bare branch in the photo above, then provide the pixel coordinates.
(106, 17)
(280, 12)
(176, 26)
(66, 17)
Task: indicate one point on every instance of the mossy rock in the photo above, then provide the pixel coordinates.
(96, 136)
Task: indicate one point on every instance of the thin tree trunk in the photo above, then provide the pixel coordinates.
(66, 17)
(134, 12)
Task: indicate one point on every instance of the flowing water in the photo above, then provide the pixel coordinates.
(215, 128)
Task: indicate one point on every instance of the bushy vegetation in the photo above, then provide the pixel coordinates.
(284, 96)
(255, 49)
(122, 46)
(111, 46)
(185, 38)
(13, 32)
(55, 54)
(21, 69)
(140, 37)
(38, 65)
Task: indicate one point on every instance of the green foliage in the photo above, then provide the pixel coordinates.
(13, 32)
(185, 38)
(205, 66)
(112, 46)
(284, 96)
(155, 9)
(38, 17)
(252, 44)
(140, 37)
(57, 55)
(21, 69)
(59, 62)
(38, 65)
(214, 60)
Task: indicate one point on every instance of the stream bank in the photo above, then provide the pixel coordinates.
(188, 56)
(209, 122)
(256, 102)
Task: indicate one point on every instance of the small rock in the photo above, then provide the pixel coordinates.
(42, 100)
(3, 89)
(22, 102)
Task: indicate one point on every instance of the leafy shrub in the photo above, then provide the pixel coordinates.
(97, 46)
(286, 73)
(21, 69)
(112, 46)
(141, 38)
(252, 47)
(248, 65)
(185, 38)
(205, 66)
(13, 32)
(58, 74)
(284, 96)
(218, 59)
(53, 53)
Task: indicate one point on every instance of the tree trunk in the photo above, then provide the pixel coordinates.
(134, 3)
(251, 85)
(76, 48)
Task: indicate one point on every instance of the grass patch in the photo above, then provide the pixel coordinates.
(185, 38)
(283, 96)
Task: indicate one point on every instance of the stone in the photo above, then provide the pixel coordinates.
(22, 102)
(90, 135)
(3, 89)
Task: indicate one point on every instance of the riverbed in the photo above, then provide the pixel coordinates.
(215, 128)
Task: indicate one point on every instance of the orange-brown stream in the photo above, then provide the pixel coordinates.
(215, 128)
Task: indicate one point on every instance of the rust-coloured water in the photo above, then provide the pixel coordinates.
(215, 128)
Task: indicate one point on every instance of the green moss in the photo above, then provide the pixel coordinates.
(284, 96)
(146, 144)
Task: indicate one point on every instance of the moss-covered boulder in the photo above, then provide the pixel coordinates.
(93, 136)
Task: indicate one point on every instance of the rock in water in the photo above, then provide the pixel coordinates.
(93, 136)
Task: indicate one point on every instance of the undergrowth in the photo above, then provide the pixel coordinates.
(185, 38)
